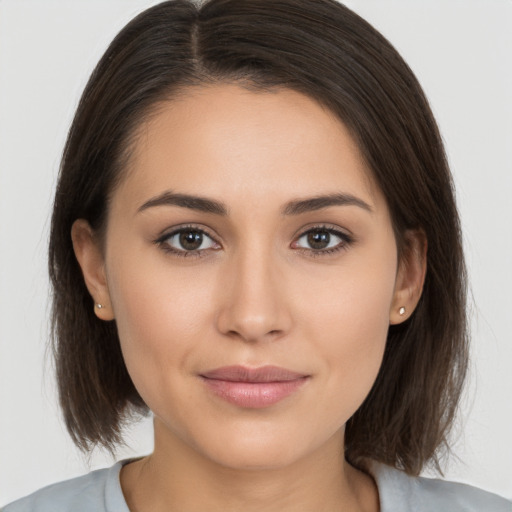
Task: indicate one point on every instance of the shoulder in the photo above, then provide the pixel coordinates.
(98, 491)
(402, 493)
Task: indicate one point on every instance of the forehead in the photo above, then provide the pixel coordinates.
(226, 140)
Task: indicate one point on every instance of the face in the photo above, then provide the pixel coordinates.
(251, 268)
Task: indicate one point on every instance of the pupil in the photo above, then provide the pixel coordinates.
(319, 239)
(191, 240)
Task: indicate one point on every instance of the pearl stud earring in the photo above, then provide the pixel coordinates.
(401, 311)
(99, 306)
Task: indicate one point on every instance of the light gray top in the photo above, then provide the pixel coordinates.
(100, 491)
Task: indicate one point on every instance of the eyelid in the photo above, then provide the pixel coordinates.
(175, 230)
(332, 228)
(347, 239)
(167, 232)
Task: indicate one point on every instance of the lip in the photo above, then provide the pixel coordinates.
(253, 388)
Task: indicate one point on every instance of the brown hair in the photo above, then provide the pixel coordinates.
(324, 50)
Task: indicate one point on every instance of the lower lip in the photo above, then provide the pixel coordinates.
(254, 395)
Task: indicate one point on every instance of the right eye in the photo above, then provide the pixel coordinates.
(187, 242)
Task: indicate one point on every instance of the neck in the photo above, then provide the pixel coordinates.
(177, 478)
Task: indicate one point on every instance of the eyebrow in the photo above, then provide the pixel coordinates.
(296, 207)
(201, 204)
(319, 202)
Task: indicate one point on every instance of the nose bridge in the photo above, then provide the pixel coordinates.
(254, 305)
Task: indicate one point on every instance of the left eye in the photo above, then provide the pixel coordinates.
(189, 240)
(320, 239)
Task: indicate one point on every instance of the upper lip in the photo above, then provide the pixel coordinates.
(245, 374)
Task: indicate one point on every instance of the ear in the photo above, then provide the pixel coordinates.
(410, 276)
(90, 258)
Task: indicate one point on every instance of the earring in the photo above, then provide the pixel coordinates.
(99, 306)
(401, 311)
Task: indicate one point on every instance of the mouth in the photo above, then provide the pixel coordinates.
(253, 388)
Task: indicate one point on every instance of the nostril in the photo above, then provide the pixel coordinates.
(251, 336)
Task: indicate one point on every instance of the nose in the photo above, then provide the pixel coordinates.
(254, 306)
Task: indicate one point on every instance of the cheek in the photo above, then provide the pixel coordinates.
(160, 316)
(349, 321)
(351, 302)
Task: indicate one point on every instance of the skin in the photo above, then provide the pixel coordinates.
(256, 293)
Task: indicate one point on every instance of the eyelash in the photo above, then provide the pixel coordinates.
(343, 245)
(346, 241)
(162, 242)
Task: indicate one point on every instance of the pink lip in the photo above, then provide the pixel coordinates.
(253, 387)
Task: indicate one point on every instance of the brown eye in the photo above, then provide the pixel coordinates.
(191, 240)
(318, 239)
(322, 240)
(187, 240)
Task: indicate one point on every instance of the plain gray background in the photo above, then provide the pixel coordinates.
(462, 53)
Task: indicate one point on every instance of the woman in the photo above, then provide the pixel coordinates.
(255, 237)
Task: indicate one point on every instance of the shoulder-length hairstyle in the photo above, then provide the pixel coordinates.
(321, 49)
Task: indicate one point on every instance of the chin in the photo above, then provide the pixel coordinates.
(255, 457)
(253, 449)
